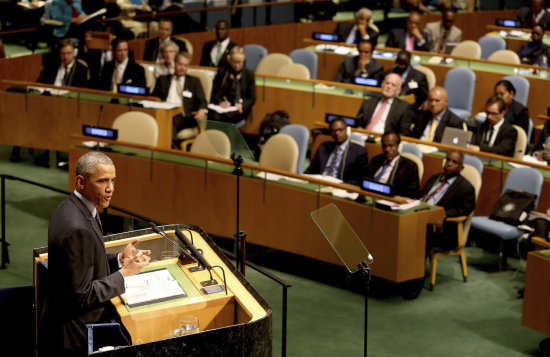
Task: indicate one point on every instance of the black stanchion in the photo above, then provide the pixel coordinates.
(365, 269)
(240, 236)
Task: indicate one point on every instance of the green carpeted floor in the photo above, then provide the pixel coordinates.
(479, 318)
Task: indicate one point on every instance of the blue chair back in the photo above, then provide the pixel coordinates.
(475, 162)
(522, 86)
(526, 179)
(411, 148)
(254, 54)
(300, 134)
(490, 44)
(460, 86)
(308, 58)
(530, 131)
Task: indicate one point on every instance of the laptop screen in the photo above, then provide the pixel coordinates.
(330, 37)
(352, 122)
(373, 186)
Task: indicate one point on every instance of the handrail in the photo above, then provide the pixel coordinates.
(444, 147)
(78, 89)
(256, 167)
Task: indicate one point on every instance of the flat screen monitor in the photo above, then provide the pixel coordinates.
(99, 132)
(330, 37)
(377, 187)
(508, 23)
(352, 122)
(124, 88)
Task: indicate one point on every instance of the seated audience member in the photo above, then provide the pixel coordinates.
(535, 52)
(95, 58)
(340, 158)
(414, 82)
(122, 70)
(215, 52)
(393, 169)
(496, 135)
(360, 30)
(542, 146)
(153, 47)
(235, 86)
(129, 9)
(387, 113)
(440, 33)
(70, 13)
(432, 122)
(516, 113)
(452, 192)
(168, 50)
(416, 6)
(67, 71)
(535, 14)
(362, 65)
(185, 90)
(410, 38)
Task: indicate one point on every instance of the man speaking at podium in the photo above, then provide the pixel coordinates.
(83, 278)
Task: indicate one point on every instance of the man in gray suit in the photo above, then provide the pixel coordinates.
(83, 278)
(440, 33)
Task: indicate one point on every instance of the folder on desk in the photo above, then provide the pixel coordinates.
(151, 287)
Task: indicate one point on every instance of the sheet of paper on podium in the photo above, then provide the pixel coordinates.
(151, 287)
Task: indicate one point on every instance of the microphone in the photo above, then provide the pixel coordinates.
(184, 254)
(99, 114)
(198, 256)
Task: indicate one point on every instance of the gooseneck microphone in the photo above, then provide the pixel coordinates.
(184, 253)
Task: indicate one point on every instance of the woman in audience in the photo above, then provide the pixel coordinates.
(516, 113)
(169, 50)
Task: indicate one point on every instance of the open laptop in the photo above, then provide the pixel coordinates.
(456, 137)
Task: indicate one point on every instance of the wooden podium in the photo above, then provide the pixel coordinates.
(235, 322)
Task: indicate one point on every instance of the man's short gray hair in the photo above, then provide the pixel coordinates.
(169, 43)
(86, 164)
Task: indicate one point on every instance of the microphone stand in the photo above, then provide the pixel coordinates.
(365, 269)
(240, 236)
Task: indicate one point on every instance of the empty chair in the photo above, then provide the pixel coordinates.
(521, 143)
(308, 58)
(271, 63)
(188, 45)
(522, 86)
(254, 54)
(471, 174)
(430, 75)
(294, 70)
(521, 178)
(460, 85)
(468, 48)
(475, 162)
(411, 148)
(137, 127)
(300, 134)
(206, 81)
(417, 161)
(505, 56)
(280, 152)
(490, 44)
(212, 142)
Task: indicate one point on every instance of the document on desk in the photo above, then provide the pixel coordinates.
(151, 287)
(275, 177)
(158, 105)
(396, 206)
(218, 109)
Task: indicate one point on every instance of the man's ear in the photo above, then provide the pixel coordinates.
(80, 181)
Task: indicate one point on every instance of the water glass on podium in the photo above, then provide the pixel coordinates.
(187, 326)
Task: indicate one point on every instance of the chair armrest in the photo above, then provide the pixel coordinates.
(460, 219)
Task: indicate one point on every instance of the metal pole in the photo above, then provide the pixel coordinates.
(283, 347)
(5, 256)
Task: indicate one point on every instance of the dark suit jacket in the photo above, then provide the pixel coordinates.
(349, 66)
(354, 167)
(78, 76)
(396, 39)
(518, 114)
(525, 16)
(399, 119)
(447, 120)
(93, 59)
(458, 200)
(83, 278)
(505, 141)
(222, 88)
(152, 48)
(535, 53)
(206, 60)
(403, 178)
(133, 75)
(344, 28)
(420, 90)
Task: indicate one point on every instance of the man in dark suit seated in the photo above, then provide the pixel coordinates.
(393, 169)
(94, 57)
(432, 122)
(441, 33)
(67, 70)
(340, 158)
(495, 135)
(535, 14)
(387, 113)
(234, 88)
(535, 52)
(184, 90)
(83, 277)
(411, 38)
(362, 65)
(122, 70)
(452, 192)
(152, 46)
(414, 81)
(215, 52)
(360, 30)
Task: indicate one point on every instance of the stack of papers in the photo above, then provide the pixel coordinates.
(396, 206)
(151, 287)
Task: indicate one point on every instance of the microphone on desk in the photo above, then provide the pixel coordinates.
(184, 256)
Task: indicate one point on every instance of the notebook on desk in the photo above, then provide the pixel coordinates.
(456, 137)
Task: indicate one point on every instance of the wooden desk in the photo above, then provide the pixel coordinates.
(274, 215)
(536, 309)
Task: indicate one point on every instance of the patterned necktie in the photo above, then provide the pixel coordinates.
(332, 166)
(98, 220)
(434, 192)
(381, 173)
(378, 115)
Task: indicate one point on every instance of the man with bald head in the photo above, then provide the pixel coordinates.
(432, 122)
(359, 30)
(409, 38)
(387, 113)
(535, 14)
